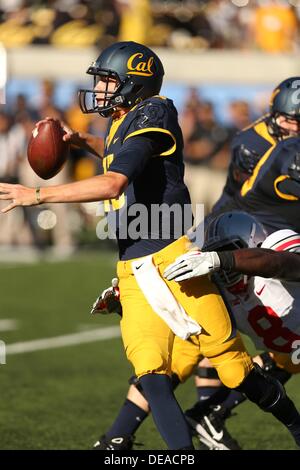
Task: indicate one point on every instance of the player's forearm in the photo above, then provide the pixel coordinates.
(91, 143)
(97, 188)
(267, 263)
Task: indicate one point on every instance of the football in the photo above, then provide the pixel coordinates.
(47, 152)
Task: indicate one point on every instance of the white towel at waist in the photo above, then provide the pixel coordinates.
(162, 300)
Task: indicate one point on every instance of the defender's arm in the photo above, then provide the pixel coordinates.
(250, 261)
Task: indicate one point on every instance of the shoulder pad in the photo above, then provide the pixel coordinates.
(283, 240)
(151, 114)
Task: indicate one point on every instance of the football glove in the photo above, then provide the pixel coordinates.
(109, 300)
(193, 264)
(245, 159)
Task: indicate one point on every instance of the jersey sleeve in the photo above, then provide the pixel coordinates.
(133, 156)
(154, 118)
(287, 184)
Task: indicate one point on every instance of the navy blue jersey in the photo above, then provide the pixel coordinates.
(155, 179)
(262, 196)
(256, 139)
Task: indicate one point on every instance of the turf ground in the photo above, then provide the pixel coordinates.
(65, 397)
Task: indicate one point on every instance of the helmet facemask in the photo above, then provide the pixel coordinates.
(278, 131)
(103, 102)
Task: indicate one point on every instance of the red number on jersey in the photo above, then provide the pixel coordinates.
(267, 325)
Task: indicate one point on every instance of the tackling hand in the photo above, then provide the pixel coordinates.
(192, 264)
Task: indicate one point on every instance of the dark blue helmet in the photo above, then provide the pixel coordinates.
(137, 70)
(285, 101)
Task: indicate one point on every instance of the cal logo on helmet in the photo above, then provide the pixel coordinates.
(136, 66)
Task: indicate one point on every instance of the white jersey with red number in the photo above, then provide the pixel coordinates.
(269, 311)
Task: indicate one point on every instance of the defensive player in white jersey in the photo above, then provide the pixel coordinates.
(264, 301)
(263, 307)
(269, 309)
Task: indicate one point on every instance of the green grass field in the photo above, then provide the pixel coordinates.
(65, 397)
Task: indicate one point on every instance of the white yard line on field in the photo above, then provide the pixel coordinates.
(8, 324)
(100, 334)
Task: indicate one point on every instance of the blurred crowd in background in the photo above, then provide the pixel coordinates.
(267, 25)
(65, 227)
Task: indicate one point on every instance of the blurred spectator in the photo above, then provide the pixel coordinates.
(270, 25)
(182, 25)
(75, 117)
(45, 104)
(275, 26)
(7, 164)
(21, 107)
(208, 137)
(62, 23)
(135, 20)
(10, 5)
(79, 121)
(188, 116)
(206, 156)
(224, 19)
(98, 126)
(75, 25)
(239, 115)
(193, 100)
(90, 165)
(12, 230)
(84, 165)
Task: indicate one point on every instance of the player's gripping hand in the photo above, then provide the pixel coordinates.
(192, 264)
(71, 136)
(109, 300)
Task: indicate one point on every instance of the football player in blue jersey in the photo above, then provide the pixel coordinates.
(263, 179)
(143, 169)
(253, 143)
